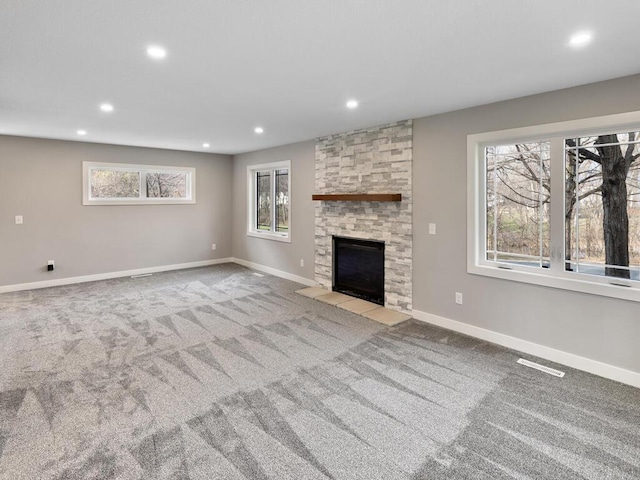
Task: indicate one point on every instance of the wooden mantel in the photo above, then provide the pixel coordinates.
(359, 197)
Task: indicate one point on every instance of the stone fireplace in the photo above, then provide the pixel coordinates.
(369, 161)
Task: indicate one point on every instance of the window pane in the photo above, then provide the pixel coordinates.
(517, 201)
(263, 200)
(282, 200)
(166, 185)
(114, 184)
(602, 206)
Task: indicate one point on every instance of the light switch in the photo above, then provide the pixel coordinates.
(432, 229)
(19, 220)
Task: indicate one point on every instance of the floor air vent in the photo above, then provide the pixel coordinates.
(542, 368)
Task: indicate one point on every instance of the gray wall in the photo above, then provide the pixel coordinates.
(595, 327)
(42, 180)
(271, 253)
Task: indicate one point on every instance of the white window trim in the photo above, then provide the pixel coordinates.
(476, 222)
(251, 201)
(143, 169)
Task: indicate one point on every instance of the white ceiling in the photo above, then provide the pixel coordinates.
(288, 65)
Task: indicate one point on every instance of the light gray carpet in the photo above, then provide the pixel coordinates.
(216, 373)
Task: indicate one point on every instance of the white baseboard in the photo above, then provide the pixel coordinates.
(106, 276)
(163, 268)
(581, 363)
(274, 271)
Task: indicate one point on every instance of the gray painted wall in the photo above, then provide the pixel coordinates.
(271, 253)
(595, 327)
(42, 180)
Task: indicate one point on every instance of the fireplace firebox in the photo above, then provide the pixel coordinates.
(358, 268)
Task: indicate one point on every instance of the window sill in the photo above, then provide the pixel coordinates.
(582, 284)
(128, 201)
(278, 237)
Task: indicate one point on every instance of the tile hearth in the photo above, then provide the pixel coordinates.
(360, 307)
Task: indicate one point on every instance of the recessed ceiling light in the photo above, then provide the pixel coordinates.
(157, 52)
(106, 107)
(580, 39)
(258, 130)
(352, 104)
(81, 132)
(206, 145)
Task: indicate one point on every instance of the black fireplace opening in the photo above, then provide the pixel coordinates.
(358, 268)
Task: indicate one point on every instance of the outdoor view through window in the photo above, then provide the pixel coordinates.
(107, 183)
(602, 206)
(518, 195)
(600, 203)
(114, 184)
(166, 185)
(272, 184)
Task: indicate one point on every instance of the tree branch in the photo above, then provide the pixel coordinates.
(585, 153)
(628, 155)
(590, 192)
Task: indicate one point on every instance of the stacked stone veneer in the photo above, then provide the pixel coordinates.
(373, 160)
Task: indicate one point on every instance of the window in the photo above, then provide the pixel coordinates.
(517, 203)
(602, 211)
(125, 184)
(268, 189)
(558, 205)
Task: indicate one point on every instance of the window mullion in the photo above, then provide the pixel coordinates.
(576, 227)
(273, 201)
(557, 206)
(540, 211)
(494, 179)
(256, 202)
(143, 184)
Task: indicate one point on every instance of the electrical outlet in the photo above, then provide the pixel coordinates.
(19, 220)
(51, 265)
(458, 298)
(302, 262)
(213, 246)
(432, 229)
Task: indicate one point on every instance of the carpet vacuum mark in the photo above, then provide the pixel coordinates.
(215, 373)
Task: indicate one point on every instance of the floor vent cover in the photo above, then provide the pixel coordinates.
(542, 368)
(142, 275)
(258, 274)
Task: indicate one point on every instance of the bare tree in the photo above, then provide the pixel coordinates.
(114, 184)
(598, 167)
(166, 185)
(614, 166)
(522, 197)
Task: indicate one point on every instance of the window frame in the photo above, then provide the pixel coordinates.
(555, 276)
(87, 167)
(252, 171)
